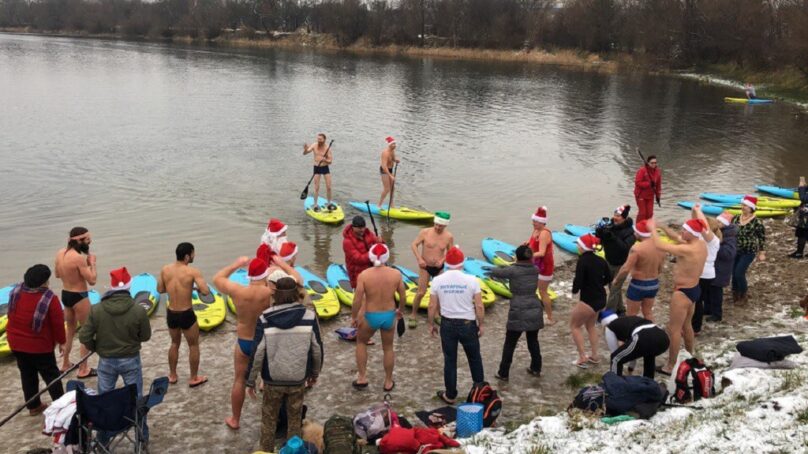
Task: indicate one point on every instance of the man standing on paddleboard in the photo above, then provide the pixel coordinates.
(75, 266)
(647, 187)
(388, 160)
(179, 279)
(433, 242)
(323, 157)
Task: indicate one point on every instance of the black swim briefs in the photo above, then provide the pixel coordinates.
(381, 170)
(180, 319)
(70, 299)
(321, 170)
(433, 270)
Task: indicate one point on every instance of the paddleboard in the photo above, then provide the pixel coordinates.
(763, 201)
(144, 292)
(324, 298)
(4, 294)
(401, 213)
(498, 252)
(715, 210)
(569, 243)
(210, 309)
(324, 215)
(5, 350)
(578, 230)
(338, 280)
(501, 287)
(239, 277)
(411, 286)
(748, 101)
(786, 193)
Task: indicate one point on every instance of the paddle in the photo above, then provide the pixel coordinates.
(67, 371)
(648, 169)
(392, 191)
(372, 221)
(305, 192)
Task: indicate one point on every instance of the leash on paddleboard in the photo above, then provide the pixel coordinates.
(305, 192)
(392, 191)
(648, 169)
(60, 377)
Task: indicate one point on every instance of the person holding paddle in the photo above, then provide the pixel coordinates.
(388, 160)
(322, 158)
(647, 187)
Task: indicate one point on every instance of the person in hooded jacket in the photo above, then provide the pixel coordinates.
(724, 261)
(617, 237)
(357, 240)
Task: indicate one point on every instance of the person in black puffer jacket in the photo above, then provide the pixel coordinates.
(617, 237)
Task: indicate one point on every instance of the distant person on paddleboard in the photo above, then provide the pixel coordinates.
(616, 237)
(541, 242)
(374, 309)
(357, 240)
(592, 277)
(271, 240)
(644, 264)
(647, 188)
(250, 301)
(751, 245)
(749, 89)
(75, 266)
(690, 259)
(801, 224)
(457, 298)
(430, 248)
(630, 338)
(388, 160)
(179, 280)
(323, 157)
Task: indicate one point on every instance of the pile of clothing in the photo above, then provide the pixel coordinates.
(766, 353)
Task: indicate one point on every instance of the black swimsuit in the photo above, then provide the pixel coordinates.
(433, 270)
(692, 293)
(381, 170)
(70, 299)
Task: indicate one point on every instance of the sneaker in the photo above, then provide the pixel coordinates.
(316, 208)
(713, 319)
(499, 377)
(535, 373)
(795, 255)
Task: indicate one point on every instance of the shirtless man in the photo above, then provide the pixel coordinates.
(374, 308)
(386, 168)
(75, 266)
(644, 263)
(690, 258)
(250, 302)
(433, 242)
(322, 158)
(178, 280)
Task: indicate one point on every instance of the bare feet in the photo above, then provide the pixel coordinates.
(550, 321)
(198, 380)
(231, 423)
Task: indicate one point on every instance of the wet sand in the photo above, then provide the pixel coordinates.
(192, 419)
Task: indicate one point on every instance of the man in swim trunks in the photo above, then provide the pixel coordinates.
(374, 308)
(644, 264)
(434, 242)
(456, 296)
(388, 160)
(323, 156)
(179, 279)
(75, 266)
(250, 302)
(690, 258)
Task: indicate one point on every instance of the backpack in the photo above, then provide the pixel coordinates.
(483, 393)
(374, 422)
(702, 377)
(339, 436)
(635, 394)
(590, 398)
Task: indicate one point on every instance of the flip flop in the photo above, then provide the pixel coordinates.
(583, 365)
(199, 383)
(173, 382)
(662, 371)
(391, 388)
(442, 396)
(359, 386)
(93, 373)
(592, 360)
(412, 323)
(68, 367)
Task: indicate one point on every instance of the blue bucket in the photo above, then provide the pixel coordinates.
(469, 419)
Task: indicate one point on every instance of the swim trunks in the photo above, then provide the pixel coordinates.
(638, 289)
(70, 299)
(180, 319)
(381, 320)
(321, 170)
(381, 170)
(692, 293)
(433, 270)
(246, 346)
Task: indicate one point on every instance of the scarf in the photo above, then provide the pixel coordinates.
(41, 307)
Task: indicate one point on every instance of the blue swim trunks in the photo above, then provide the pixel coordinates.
(246, 346)
(639, 290)
(381, 320)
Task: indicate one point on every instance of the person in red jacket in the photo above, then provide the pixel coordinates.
(36, 324)
(647, 187)
(357, 241)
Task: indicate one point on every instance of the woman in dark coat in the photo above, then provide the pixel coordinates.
(801, 226)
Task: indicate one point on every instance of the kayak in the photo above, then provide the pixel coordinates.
(4, 294)
(498, 252)
(748, 101)
(715, 210)
(323, 297)
(239, 277)
(786, 193)
(400, 213)
(210, 309)
(411, 286)
(144, 292)
(762, 202)
(338, 280)
(324, 215)
(501, 287)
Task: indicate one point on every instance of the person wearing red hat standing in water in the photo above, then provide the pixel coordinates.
(751, 242)
(592, 276)
(644, 264)
(541, 243)
(691, 255)
(647, 187)
(374, 308)
(75, 266)
(388, 159)
(271, 241)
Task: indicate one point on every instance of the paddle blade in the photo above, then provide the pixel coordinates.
(304, 194)
(402, 327)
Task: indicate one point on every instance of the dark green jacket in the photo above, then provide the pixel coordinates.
(116, 326)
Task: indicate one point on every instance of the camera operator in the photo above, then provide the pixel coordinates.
(617, 236)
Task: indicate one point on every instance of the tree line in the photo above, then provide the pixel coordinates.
(674, 33)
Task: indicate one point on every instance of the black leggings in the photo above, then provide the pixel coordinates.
(511, 338)
(646, 344)
(33, 364)
(704, 299)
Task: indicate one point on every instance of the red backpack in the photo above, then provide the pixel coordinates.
(483, 393)
(702, 377)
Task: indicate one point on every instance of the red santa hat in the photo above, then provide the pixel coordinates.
(288, 251)
(378, 254)
(642, 230)
(540, 215)
(275, 227)
(694, 226)
(257, 270)
(750, 201)
(120, 279)
(725, 218)
(588, 242)
(390, 140)
(455, 258)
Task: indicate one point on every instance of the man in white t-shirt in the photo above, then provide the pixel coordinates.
(456, 296)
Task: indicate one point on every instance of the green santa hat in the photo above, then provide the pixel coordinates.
(442, 218)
